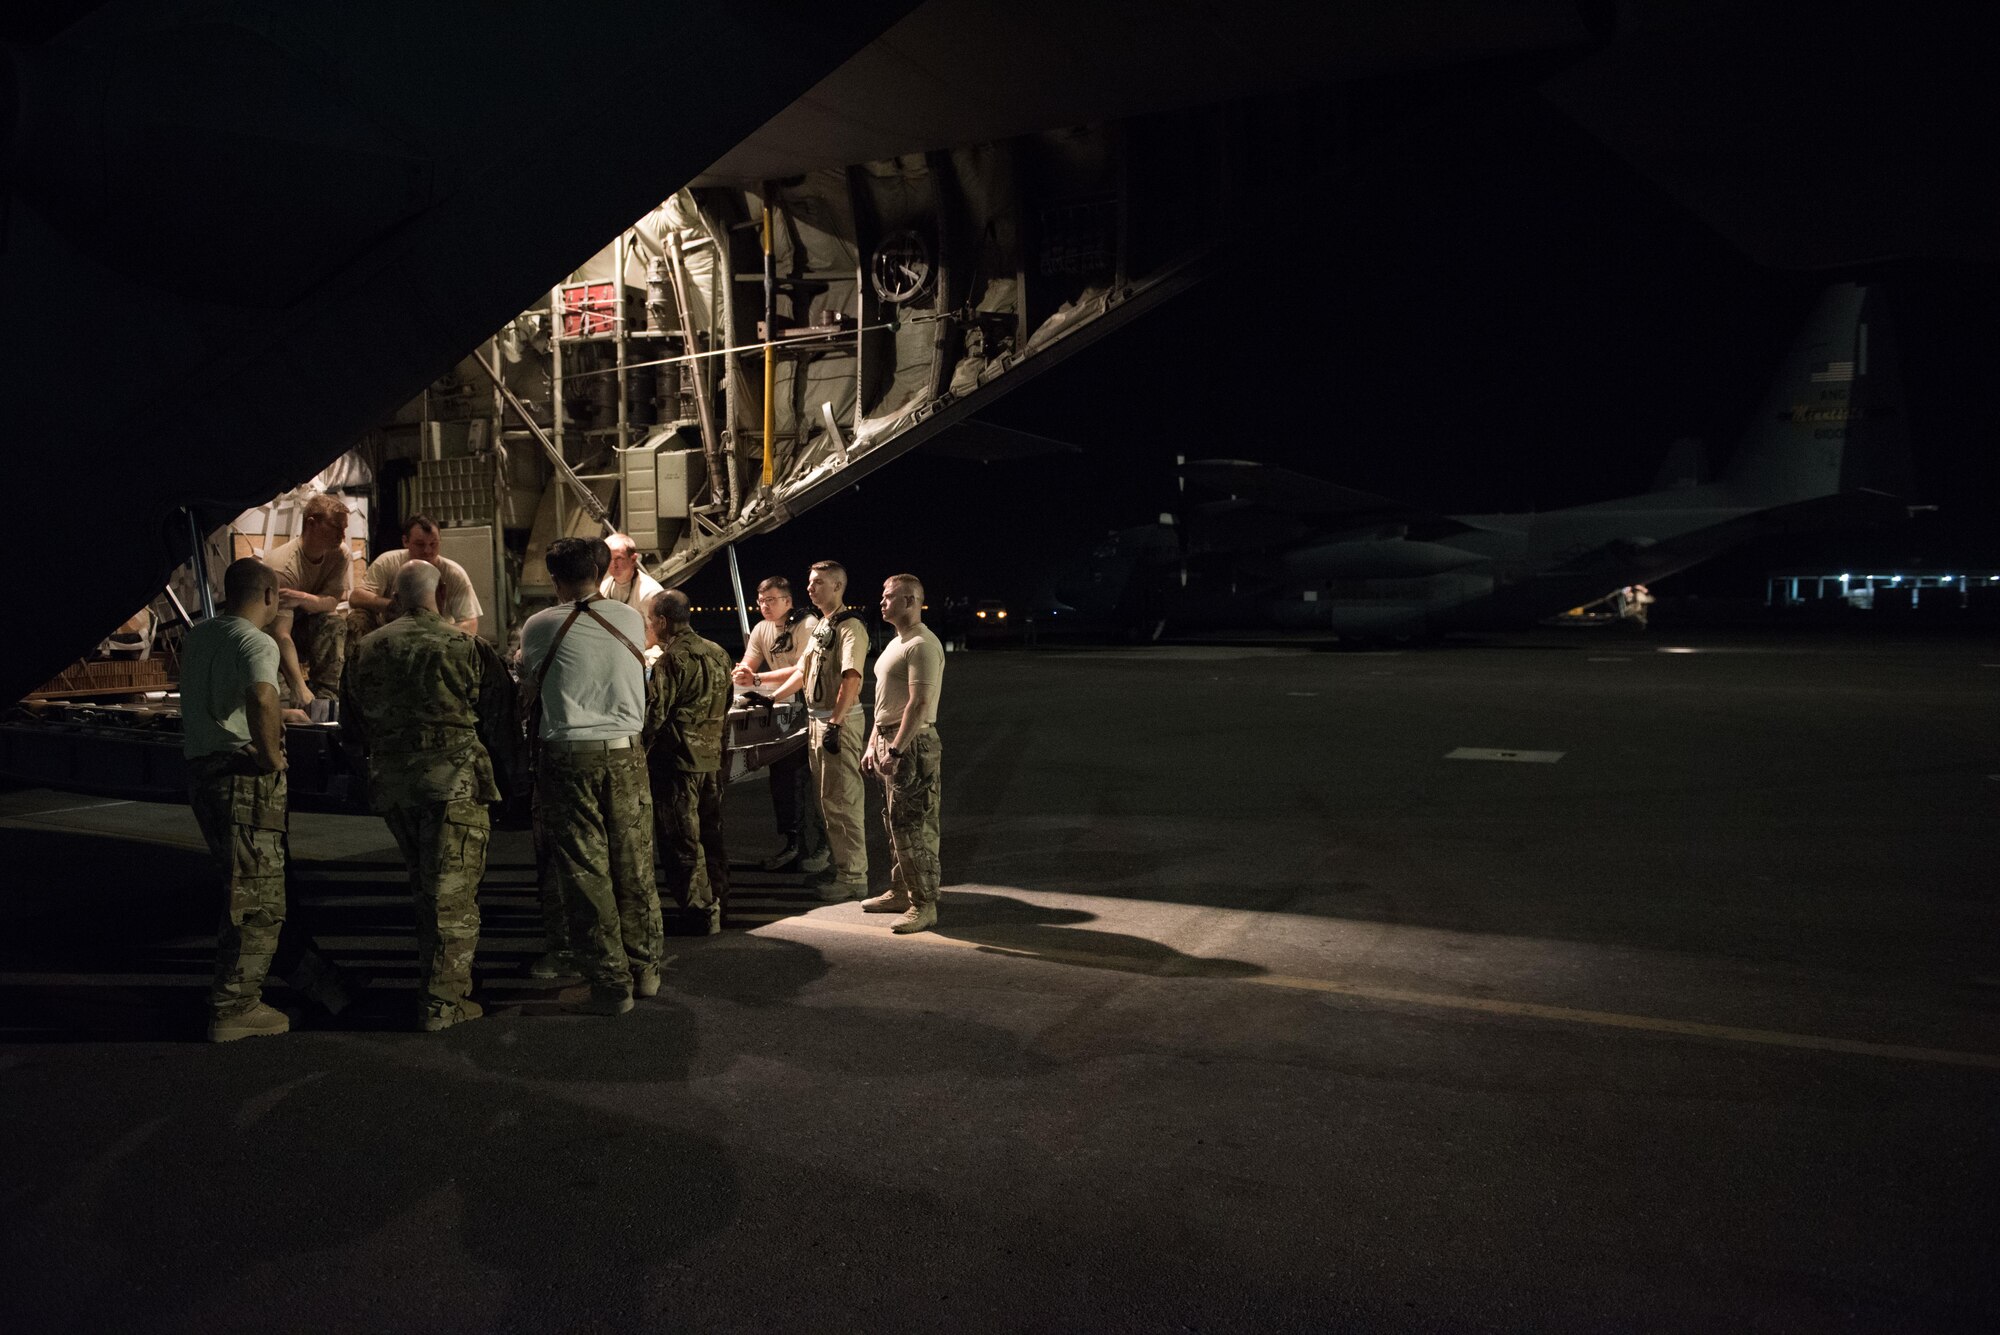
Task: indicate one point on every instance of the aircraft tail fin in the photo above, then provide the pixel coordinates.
(1833, 419)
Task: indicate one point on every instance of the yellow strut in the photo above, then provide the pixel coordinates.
(770, 361)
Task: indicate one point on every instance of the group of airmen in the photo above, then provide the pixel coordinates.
(616, 711)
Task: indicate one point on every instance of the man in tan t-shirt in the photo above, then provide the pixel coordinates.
(904, 752)
(371, 597)
(776, 644)
(312, 575)
(829, 672)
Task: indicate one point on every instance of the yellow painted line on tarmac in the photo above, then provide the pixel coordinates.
(1448, 1001)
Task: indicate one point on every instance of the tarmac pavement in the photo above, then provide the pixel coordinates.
(1250, 1008)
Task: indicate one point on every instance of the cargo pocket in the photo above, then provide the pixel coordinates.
(257, 801)
(462, 842)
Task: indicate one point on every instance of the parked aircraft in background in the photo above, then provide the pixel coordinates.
(1281, 550)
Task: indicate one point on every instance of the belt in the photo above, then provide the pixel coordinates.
(609, 744)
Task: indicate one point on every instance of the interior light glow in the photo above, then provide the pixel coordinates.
(1003, 614)
(981, 614)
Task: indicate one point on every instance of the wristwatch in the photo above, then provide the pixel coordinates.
(894, 752)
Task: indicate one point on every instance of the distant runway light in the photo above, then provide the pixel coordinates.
(1677, 649)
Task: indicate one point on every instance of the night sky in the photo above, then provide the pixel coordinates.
(1487, 311)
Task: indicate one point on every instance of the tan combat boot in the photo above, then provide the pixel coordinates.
(437, 1021)
(891, 900)
(259, 1019)
(917, 919)
(645, 983)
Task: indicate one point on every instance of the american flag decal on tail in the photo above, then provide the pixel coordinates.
(1824, 373)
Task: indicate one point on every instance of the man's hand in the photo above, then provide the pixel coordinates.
(743, 676)
(295, 716)
(291, 600)
(303, 697)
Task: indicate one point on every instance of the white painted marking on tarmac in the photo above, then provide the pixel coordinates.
(28, 822)
(1302, 694)
(1448, 1001)
(1489, 753)
(58, 811)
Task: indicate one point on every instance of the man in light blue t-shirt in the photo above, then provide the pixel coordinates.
(583, 666)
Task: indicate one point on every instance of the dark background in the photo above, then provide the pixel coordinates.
(1483, 309)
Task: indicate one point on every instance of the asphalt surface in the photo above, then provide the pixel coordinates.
(1248, 1010)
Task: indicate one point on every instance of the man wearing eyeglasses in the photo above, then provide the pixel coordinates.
(312, 571)
(774, 648)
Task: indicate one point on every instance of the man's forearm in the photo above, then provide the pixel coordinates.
(843, 700)
(368, 600)
(288, 665)
(788, 687)
(267, 730)
(912, 721)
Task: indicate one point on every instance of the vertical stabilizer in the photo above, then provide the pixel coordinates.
(1833, 419)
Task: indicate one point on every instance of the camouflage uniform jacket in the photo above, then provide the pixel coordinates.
(687, 705)
(418, 696)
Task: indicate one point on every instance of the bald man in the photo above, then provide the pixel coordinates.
(422, 702)
(625, 582)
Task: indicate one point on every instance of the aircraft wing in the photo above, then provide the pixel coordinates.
(1311, 498)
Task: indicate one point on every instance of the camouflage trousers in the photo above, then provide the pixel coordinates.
(555, 911)
(910, 805)
(321, 639)
(242, 818)
(597, 814)
(687, 814)
(842, 798)
(444, 844)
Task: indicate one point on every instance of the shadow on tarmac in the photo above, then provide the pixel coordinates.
(528, 1199)
(1003, 925)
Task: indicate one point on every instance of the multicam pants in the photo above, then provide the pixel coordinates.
(842, 799)
(555, 910)
(445, 845)
(687, 809)
(597, 816)
(911, 801)
(321, 639)
(242, 817)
